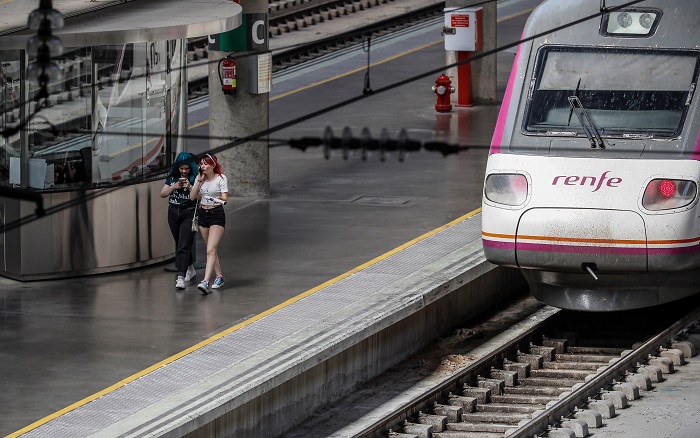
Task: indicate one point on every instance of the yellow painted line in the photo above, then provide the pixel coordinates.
(197, 125)
(6, 1)
(342, 75)
(236, 327)
(391, 58)
(517, 14)
(133, 147)
(358, 69)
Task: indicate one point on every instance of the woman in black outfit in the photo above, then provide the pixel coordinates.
(180, 213)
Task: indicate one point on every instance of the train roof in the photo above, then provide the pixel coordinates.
(677, 24)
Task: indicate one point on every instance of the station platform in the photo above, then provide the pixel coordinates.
(340, 250)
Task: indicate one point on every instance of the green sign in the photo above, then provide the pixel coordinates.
(251, 35)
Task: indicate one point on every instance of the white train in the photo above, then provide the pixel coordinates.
(591, 186)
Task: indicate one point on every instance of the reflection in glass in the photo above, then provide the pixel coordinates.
(55, 138)
(131, 112)
(106, 120)
(10, 66)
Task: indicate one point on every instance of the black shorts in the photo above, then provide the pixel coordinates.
(212, 216)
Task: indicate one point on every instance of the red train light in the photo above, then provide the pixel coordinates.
(667, 194)
(667, 188)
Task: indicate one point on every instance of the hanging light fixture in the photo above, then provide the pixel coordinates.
(43, 46)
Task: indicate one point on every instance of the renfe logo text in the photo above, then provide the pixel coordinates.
(597, 182)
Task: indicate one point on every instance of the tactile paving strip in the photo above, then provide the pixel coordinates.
(335, 306)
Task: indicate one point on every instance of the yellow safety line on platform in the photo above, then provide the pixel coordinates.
(236, 327)
(517, 14)
(359, 69)
(391, 58)
(325, 81)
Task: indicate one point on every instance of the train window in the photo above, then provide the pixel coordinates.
(625, 92)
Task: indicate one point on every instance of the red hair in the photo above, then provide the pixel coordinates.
(212, 161)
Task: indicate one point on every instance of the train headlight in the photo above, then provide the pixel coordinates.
(646, 20)
(624, 19)
(667, 194)
(633, 22)
(506, 188)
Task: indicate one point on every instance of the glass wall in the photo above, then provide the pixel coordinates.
(106, 121)
(59, 131)
(10, 80)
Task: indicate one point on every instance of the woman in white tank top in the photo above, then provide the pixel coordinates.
(211, 188)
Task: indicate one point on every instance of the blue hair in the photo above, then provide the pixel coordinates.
(184, 158)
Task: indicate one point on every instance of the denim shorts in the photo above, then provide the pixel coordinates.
(213, 216)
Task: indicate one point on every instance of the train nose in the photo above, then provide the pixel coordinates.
(570, 239)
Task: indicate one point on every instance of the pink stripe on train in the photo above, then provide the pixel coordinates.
(574, 249)
(498, 244)
(603, 250)
(696, 151)
(503, 112)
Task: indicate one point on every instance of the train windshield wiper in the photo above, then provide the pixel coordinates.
(586, 122)
(578, 87)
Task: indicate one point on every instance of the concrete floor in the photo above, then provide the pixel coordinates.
(64, 340)
(669, 410)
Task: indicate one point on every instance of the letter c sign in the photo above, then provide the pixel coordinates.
(256, 31)
(256, 25)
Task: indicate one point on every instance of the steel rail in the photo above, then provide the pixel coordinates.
(481, 366)
(280, 12)
(590, 389)
(316, 48)
(550, 416)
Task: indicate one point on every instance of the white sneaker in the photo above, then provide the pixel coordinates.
(191, 273)
(179, 283)
(203, 286)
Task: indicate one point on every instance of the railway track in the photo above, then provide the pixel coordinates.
(563, 377)
(301, 14)
(287, 16)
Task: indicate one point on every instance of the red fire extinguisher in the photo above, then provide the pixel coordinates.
(229, 76)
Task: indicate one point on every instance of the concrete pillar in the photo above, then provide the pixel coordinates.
(483, 71)
(242, 114)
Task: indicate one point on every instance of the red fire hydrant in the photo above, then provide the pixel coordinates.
(443, 88)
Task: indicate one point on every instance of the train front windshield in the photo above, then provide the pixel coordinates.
(622, 92)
